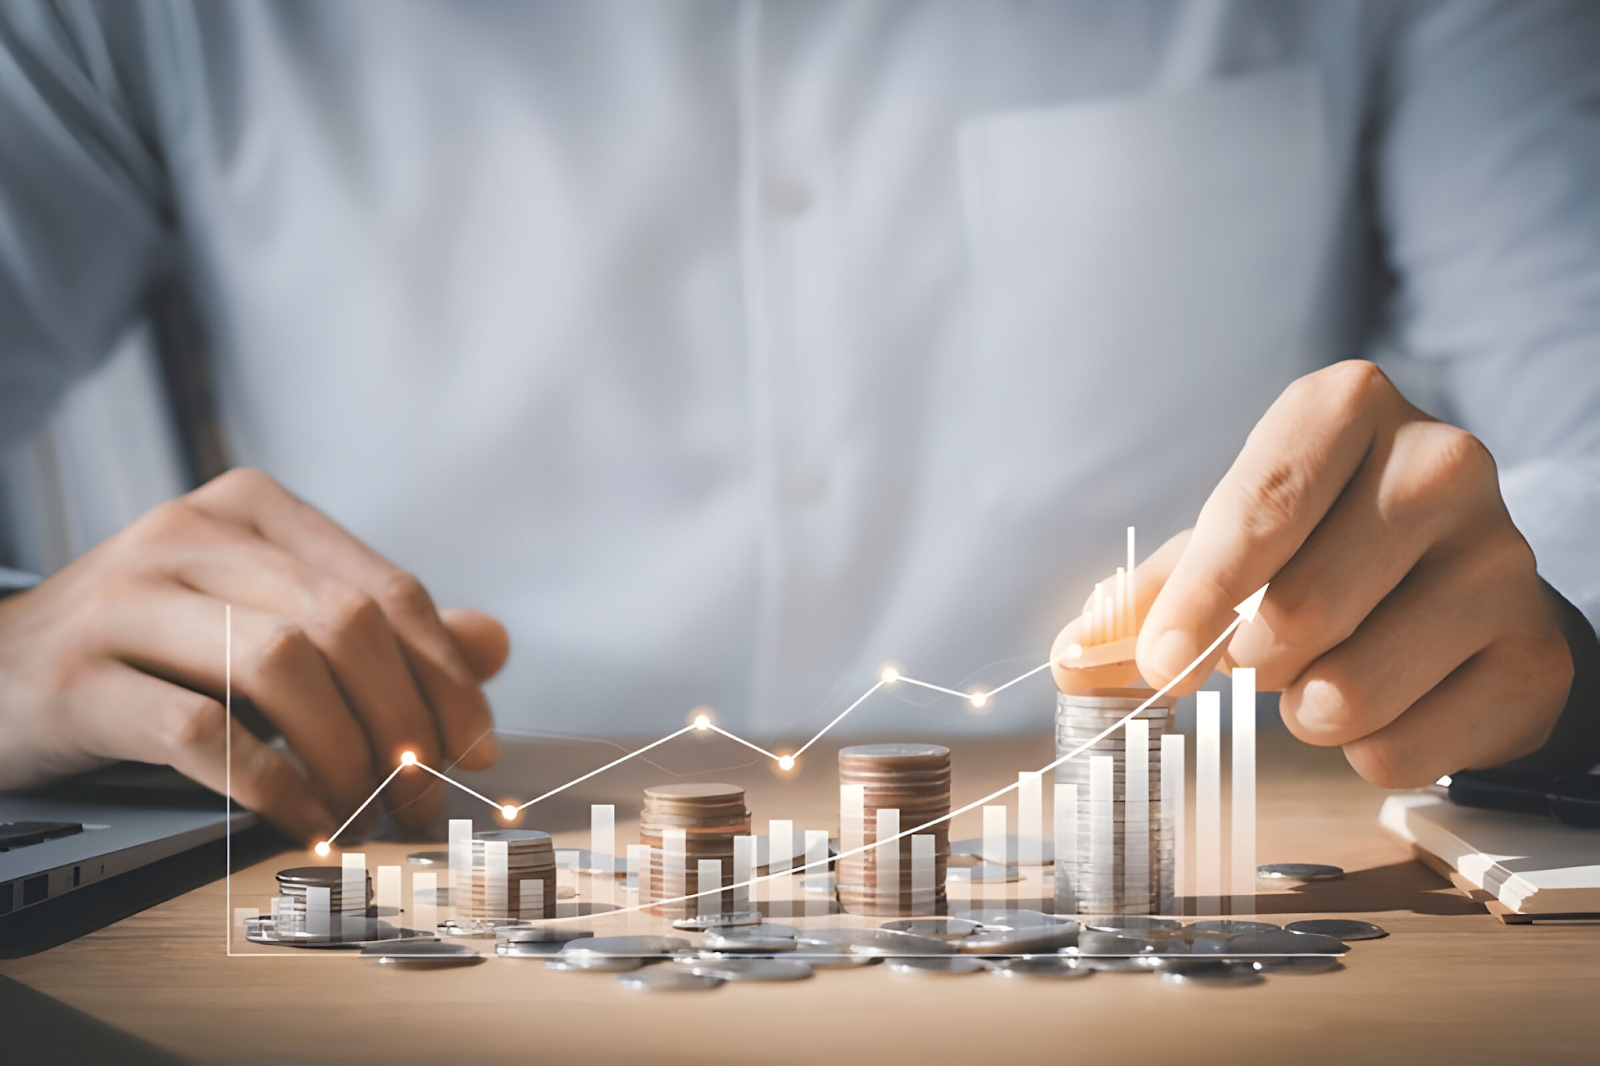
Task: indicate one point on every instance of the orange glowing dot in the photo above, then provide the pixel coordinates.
(408, 758)
(508, 811)
(786, 762)
(980, 698)
(701, 721)
(322, 848)
(890, 675)
(1074, 651)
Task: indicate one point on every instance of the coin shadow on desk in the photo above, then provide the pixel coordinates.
(1401, 886)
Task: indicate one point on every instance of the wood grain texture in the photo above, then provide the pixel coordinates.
(1451, 984)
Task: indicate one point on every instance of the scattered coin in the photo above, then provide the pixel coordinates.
(1346, 929)
(542, 934)
(737, 940)
(1105, 964)
(668, 979)
(1298, 871)
(749, 969)
(477, 928)
(1100, 942)
(524, 949)
(884, 943)
(1138, 924)
(1003, 918)
(1213, 974)
(1051, 966)
(429, 858)
(1283, 942)
(427, 953)
(941, 928)
(593, 963)
(1028, 939)
(936, 964)
(1301, 964)
(637, 946)
(699, 922)
(1233, 927)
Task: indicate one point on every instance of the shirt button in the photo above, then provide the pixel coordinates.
(789, 196)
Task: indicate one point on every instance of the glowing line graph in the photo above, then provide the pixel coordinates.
(702, 722)
(1244, 612)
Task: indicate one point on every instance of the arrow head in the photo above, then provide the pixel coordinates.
(1247, 610)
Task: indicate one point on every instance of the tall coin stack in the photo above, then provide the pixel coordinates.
(710, 815)
(1124, 856)
(530, 856)
(292, 886)
(915, 780)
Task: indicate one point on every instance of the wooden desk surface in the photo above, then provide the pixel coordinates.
(1450, 984)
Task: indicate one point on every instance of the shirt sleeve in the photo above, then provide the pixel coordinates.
(1488, 182)
(82, 223)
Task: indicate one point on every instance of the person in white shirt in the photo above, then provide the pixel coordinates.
(723, 351)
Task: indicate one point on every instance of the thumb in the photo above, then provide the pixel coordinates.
(481, 638)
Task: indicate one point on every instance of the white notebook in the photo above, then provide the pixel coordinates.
(1530, 863)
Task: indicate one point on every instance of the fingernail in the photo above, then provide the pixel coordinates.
(1173, 652)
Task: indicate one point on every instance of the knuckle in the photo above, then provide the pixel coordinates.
(1273, 500)
(345, 611)
(283, 648)
(1304, 619)
(239, 483)
(197, 722)
(1453, 462)
(1350, 387)
(401, 592)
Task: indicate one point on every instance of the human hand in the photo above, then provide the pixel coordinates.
(121, 655)
(1405, 619)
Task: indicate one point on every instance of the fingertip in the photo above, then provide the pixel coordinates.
(1162, 656)
(483, 640)
(481, 754)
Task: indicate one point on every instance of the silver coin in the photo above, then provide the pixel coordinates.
(593, 963)
(830, 938)
(429, 858)
(1022, 941)
(1101, 942)
(1127, 923)
(1211, 973)
(940, 928)
(936, 964)
(638, 946)
(422, 953)
(1283, 942)
(1233, 927)
(728, 919)
(1113, 965)
(541, 934)
(884, 943)
(737, 940)
(481, 928)
(522, 949)
(1050, 966)
(1007, 917)
(749, 969)
(1301, 964)
(1298, 871)
(1346, 929)
(669, 979)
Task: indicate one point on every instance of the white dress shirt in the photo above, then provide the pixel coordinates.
(727, 351)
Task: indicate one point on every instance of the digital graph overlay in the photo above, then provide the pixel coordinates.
(1244, 612)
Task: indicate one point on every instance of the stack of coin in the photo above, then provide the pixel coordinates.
(1135, 874)
(710, 815)
(915, 780)
(530, 856)
(292, 886)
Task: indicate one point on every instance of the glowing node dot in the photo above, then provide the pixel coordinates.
(1074, 651)
(408, 758)
(890, 675)
(701, 722)
(980, 698)
(322, 848)
(508, 811)
(786, 762)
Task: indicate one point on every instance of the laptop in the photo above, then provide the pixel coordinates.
(94, 828)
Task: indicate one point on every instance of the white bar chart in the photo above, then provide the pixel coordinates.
(674, 860)
(386, 893)
(924, 894)
(1102, 830)
(1030, 818)
(603, 837)
(709, 874)
(496, 861)
(1208, 802)
(1173, 821)
(1242, 794)
(887, 826)
(744, 870)
(352, 892)
(424, 901)
(460, 864)
(1136, 815)
(1066, 833)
